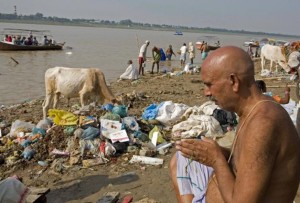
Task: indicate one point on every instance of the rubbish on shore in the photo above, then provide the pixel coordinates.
(156, 136)
(28, 153)
(61, 153)
(61, 117)
(20, 126)
(69, 130)
(109, 126)
(94, 162)
(109, 197)
(119, 136)
(111, 116)
(146, 160)
(43, 163)
(163, 146)
(121, 110)
(44, 124)
(90, 133)
(87, 121)
(107, 107)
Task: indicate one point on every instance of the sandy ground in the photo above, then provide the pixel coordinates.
(77, 184)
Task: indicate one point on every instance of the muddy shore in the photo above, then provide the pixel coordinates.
(77, 184)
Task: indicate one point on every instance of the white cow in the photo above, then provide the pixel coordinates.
(274, 54)
(87, 83)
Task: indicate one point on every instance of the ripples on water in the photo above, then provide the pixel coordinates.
(105, 48)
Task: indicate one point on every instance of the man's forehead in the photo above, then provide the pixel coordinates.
(206, 74)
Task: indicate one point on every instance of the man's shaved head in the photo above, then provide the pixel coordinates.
(230, 59)
(227, 70)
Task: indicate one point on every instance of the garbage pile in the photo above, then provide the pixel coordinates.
(91, 135)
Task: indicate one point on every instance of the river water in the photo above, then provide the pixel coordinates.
(105, 48)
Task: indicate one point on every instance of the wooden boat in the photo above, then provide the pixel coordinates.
(38, 34)
(213, 42)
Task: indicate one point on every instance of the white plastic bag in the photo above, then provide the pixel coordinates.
(170, 113)
(20, 126)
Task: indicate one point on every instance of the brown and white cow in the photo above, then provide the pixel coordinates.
(87, 83)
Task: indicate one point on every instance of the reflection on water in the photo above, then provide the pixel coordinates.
(104, 48)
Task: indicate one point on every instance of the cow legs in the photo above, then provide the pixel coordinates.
(83, 98)
(271, 65)
(56, 99)
(46, 104)
(262, 62)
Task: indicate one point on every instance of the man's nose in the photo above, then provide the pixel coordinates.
(207, 92)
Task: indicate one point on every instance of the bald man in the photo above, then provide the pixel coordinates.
(264, 162)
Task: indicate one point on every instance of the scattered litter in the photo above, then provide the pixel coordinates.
(146, 160)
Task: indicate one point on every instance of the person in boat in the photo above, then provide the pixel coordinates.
(156, 55)
(142, 57)
(18, 40)
(28, 41)
(131, 72)
(23, 41)
(281, 100)
(265, 156)
(169, 53)
(191, 52)
(183, 51)
(46, 41)
(35, 42)
(13, 40)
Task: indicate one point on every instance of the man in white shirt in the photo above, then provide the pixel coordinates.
(142, 57)
(183, 50)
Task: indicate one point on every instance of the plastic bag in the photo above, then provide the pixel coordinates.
(121, 110)
(111, 116)
(45, 124)
(61, 117)
(20, 126)
(108, 127)
(151, 111)
(131, 124)
(170, 112)
(90, 133)
(160, 138)
(92, 146)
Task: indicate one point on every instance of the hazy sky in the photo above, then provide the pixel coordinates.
(275, 16)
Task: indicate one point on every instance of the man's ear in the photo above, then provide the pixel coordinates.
(234, 82)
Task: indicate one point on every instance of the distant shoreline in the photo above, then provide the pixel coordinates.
(134, 27)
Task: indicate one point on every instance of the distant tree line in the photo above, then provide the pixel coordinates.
(123, 23)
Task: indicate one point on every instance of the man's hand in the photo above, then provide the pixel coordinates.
(205, 151)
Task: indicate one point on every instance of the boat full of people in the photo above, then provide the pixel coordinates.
(28, 40)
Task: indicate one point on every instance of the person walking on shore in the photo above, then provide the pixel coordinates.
(191, 52)
(156, 58)
(264, 158)
(142, 57)
(183, 51)
(169, 53)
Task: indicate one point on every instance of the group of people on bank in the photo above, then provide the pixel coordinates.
(158, 55)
